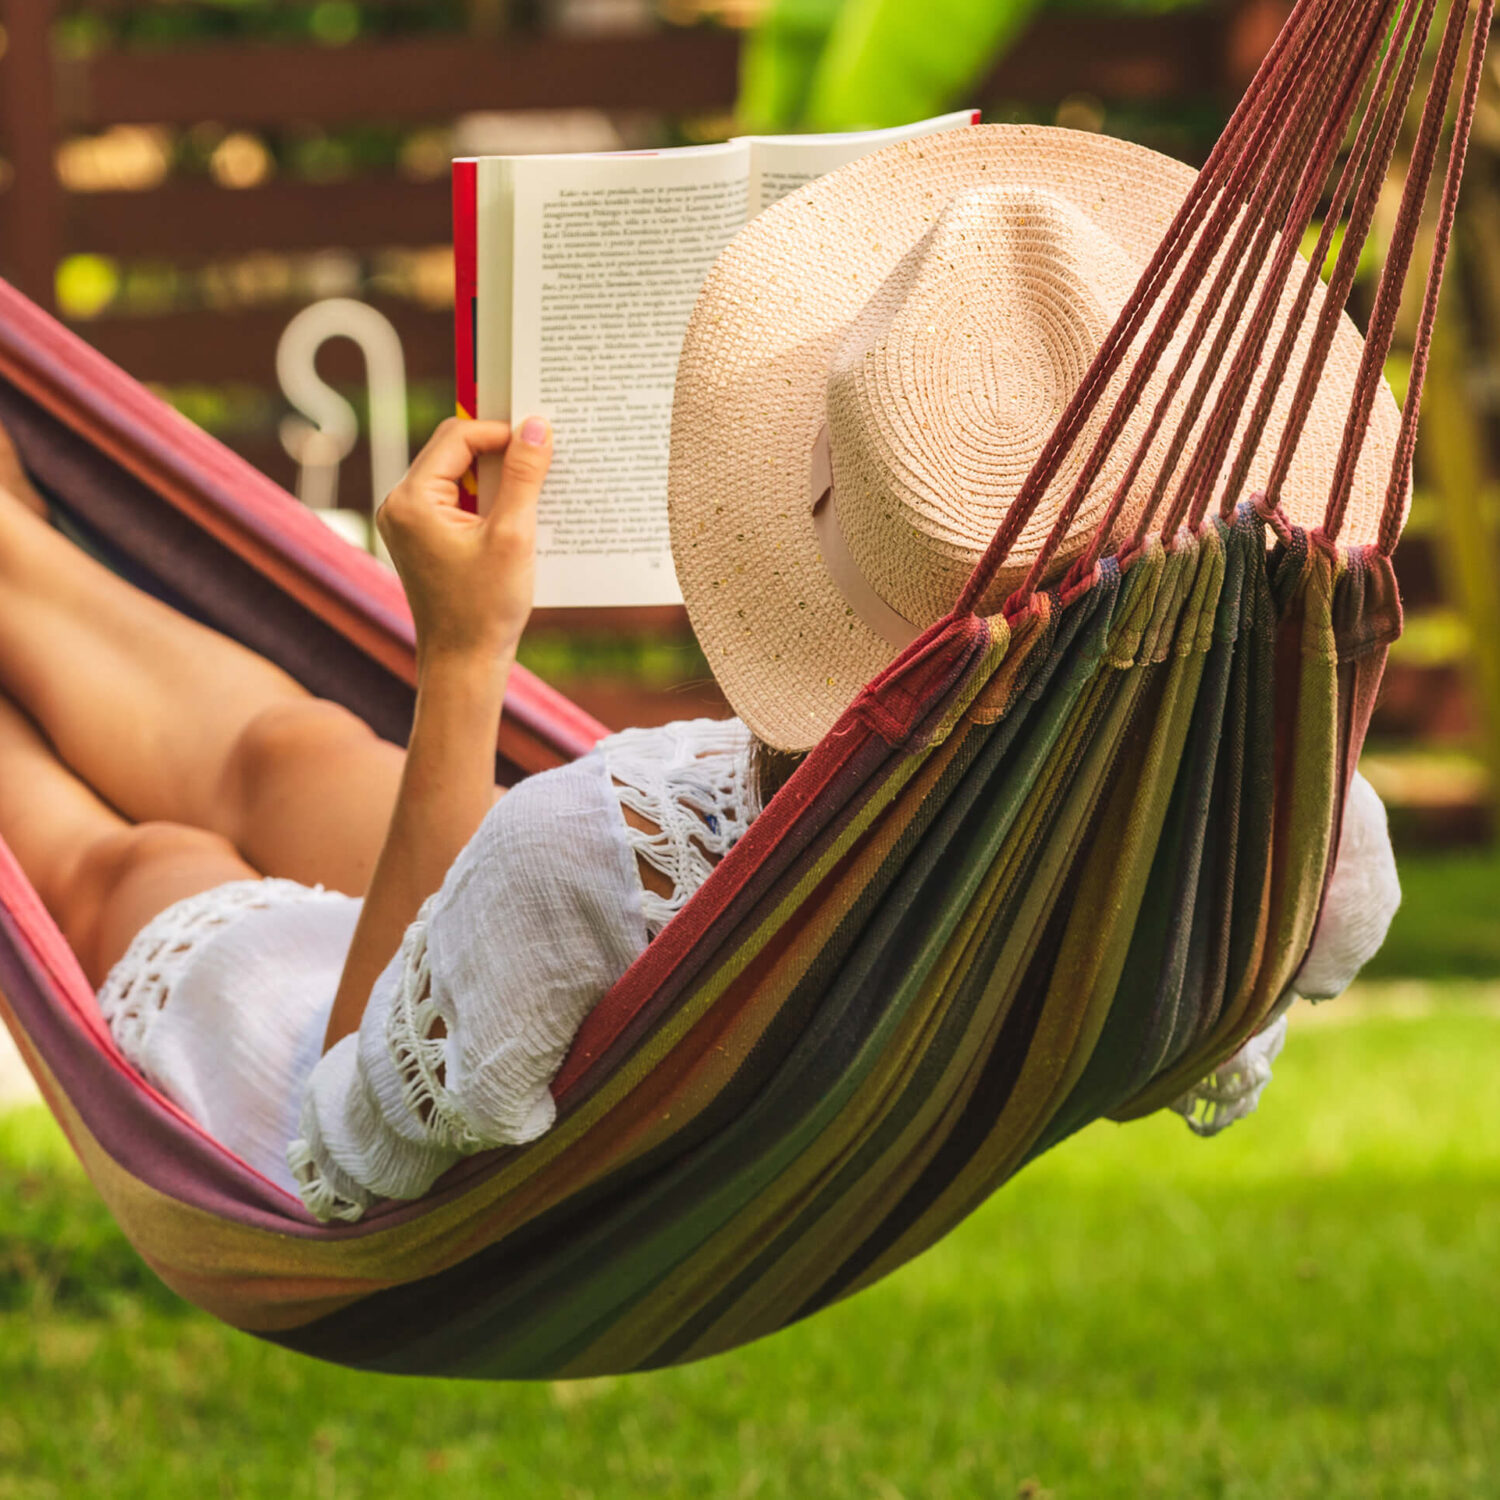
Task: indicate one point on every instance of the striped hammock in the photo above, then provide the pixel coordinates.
(1052, 865)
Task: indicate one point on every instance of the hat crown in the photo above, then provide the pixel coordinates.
(949, 383)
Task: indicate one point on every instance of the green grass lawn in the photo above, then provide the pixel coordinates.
(1447, 927)
(1304, 1307)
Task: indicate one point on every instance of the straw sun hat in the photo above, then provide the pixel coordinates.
(871, 371)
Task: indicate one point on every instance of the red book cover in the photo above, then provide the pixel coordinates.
(465, 297)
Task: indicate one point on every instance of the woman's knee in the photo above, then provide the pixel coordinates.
(287, 738)
(125, 853)
(127, 876)
(307, 794)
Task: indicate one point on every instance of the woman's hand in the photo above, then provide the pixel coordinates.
(469, 579)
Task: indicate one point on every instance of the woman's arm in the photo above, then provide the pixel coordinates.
(469, 581)
(446, 789)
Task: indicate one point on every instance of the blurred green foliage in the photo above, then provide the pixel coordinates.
(862, 64)
(653, 664)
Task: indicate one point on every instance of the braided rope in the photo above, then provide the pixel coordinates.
(1257, 197)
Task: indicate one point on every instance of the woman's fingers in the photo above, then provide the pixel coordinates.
(469, 581)
(432, 482)
(453, 448)
(523, 469)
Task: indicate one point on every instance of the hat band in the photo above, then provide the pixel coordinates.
(859, 593)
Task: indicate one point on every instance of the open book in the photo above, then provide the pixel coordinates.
(576, 276)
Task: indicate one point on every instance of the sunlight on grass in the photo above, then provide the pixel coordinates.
(1302, 1307)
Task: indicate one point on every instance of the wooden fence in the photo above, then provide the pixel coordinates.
(673, 72)
(46, 98)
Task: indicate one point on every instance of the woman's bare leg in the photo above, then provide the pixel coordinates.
(101, 878)
(172, 722)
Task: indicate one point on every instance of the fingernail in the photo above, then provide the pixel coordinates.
(534, 431)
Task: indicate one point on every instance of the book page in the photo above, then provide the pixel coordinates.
(780, 164)
(608, 256)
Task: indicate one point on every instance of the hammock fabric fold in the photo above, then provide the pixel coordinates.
(1053, 865)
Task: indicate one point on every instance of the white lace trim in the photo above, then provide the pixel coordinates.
(419, 1057)
(1233, 1089)
(693, 781)
(327, 1191)
(139, 986)
(420, 1061)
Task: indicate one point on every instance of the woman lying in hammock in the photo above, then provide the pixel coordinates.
(203, 830)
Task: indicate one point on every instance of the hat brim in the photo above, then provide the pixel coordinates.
(784, 645)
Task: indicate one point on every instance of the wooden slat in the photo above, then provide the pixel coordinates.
(30, 209)
(196, 220)
(625, 704)
(126, 7)
(1252, 28)
(221, 347)
(1139, 58)
(670, 71)
(1418, 573)
(264, 450)
(1433, 704)
(665, 72)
